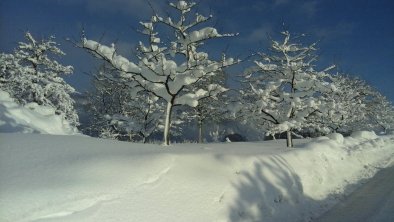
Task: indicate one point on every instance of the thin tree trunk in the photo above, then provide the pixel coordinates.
(289, 139)
(167, 124)
(199, 131)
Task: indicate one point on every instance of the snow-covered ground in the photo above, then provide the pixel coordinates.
(74, 178)
(372, 202)
(31, 118)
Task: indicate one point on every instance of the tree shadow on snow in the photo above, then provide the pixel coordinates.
(269, 187)
(270, 190)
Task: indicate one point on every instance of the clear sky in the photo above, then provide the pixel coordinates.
(356, 35)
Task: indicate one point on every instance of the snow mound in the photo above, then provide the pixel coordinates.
(368, 135)
(73, 178)
(31, 118)
(337, 137)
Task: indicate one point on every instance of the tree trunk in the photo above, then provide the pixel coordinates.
(167, 124)
(384, 129)
(200, 131)
(289, 139)
(144, 140)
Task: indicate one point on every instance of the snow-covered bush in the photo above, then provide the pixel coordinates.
(30, 74)
(168, 66)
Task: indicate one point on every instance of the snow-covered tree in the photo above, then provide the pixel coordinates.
(284, 88)
(345, 106)
(105, 99)
(210, 109)
(140, 119)
(380, 112)
(117, 114)
(167, 65)
(9, 68)
(353, 105)
(32, 75)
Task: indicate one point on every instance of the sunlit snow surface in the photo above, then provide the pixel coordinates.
(74, 178)
(31, 118)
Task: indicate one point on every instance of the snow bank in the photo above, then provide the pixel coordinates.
(73, 178)
(337, 137)
(30, 118)
(364, 135)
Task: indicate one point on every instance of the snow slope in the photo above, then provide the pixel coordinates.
(73, 178)
(373, 201)
(31, 118)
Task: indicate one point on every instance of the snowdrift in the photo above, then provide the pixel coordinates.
(73, 178)
(31, 118)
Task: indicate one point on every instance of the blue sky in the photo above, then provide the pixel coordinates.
(356, 35)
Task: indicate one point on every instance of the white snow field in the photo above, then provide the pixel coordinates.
(74, 178)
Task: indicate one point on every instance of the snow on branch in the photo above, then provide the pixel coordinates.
(159, 70)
